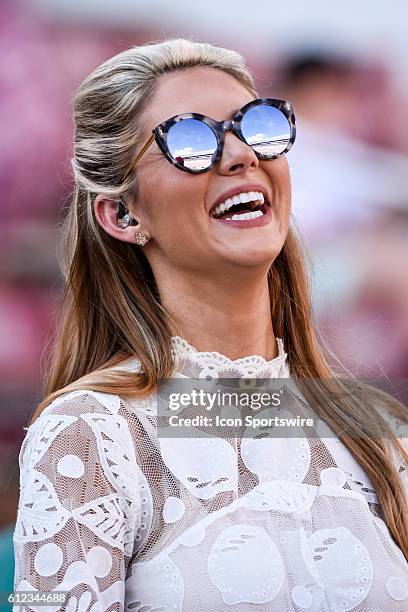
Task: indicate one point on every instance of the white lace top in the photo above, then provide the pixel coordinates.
(122, 519)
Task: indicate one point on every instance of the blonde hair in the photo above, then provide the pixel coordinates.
(110, 307)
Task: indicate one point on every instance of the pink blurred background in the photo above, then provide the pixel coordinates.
(343, 69)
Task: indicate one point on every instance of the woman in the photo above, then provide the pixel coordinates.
(180, 262)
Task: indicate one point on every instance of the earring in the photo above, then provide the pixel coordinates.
(141, 238)
(124, 219)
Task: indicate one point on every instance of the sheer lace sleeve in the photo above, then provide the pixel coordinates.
(79, 506)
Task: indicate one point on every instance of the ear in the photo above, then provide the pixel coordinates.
(111, 215)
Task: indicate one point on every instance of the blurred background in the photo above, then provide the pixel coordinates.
(344, 67)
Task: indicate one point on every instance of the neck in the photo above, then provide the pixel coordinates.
(233, 320)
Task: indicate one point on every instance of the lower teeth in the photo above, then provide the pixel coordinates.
(245, 216)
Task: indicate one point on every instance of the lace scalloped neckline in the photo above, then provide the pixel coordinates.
(203, 364)
(182, 347)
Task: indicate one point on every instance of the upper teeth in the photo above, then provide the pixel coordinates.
(246, 196)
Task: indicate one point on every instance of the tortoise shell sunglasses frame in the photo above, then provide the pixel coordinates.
(160, 132)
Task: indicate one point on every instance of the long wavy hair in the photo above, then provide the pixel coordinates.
(110, 306)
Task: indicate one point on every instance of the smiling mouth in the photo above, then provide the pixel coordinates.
(242, 207)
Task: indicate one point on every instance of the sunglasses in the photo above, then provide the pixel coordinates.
(194, 142)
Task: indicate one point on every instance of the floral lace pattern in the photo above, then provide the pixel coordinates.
(123, 520)
(200, 364)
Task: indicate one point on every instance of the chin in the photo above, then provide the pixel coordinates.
(253, 258)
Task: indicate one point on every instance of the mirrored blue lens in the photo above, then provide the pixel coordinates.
(266, 129)
(192, 144)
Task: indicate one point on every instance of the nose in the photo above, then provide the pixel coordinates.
(237, 156)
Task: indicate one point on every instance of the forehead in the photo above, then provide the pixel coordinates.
(204, 90)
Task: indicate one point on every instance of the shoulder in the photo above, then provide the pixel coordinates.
(79, 458)
(85, 424)
(83, 432)
(83, 401)
(69, 409)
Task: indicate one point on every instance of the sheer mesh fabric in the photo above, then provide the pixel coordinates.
(124, 520)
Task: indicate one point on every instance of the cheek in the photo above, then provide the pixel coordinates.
(279, 178)
(176, 201)
(279, 174)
